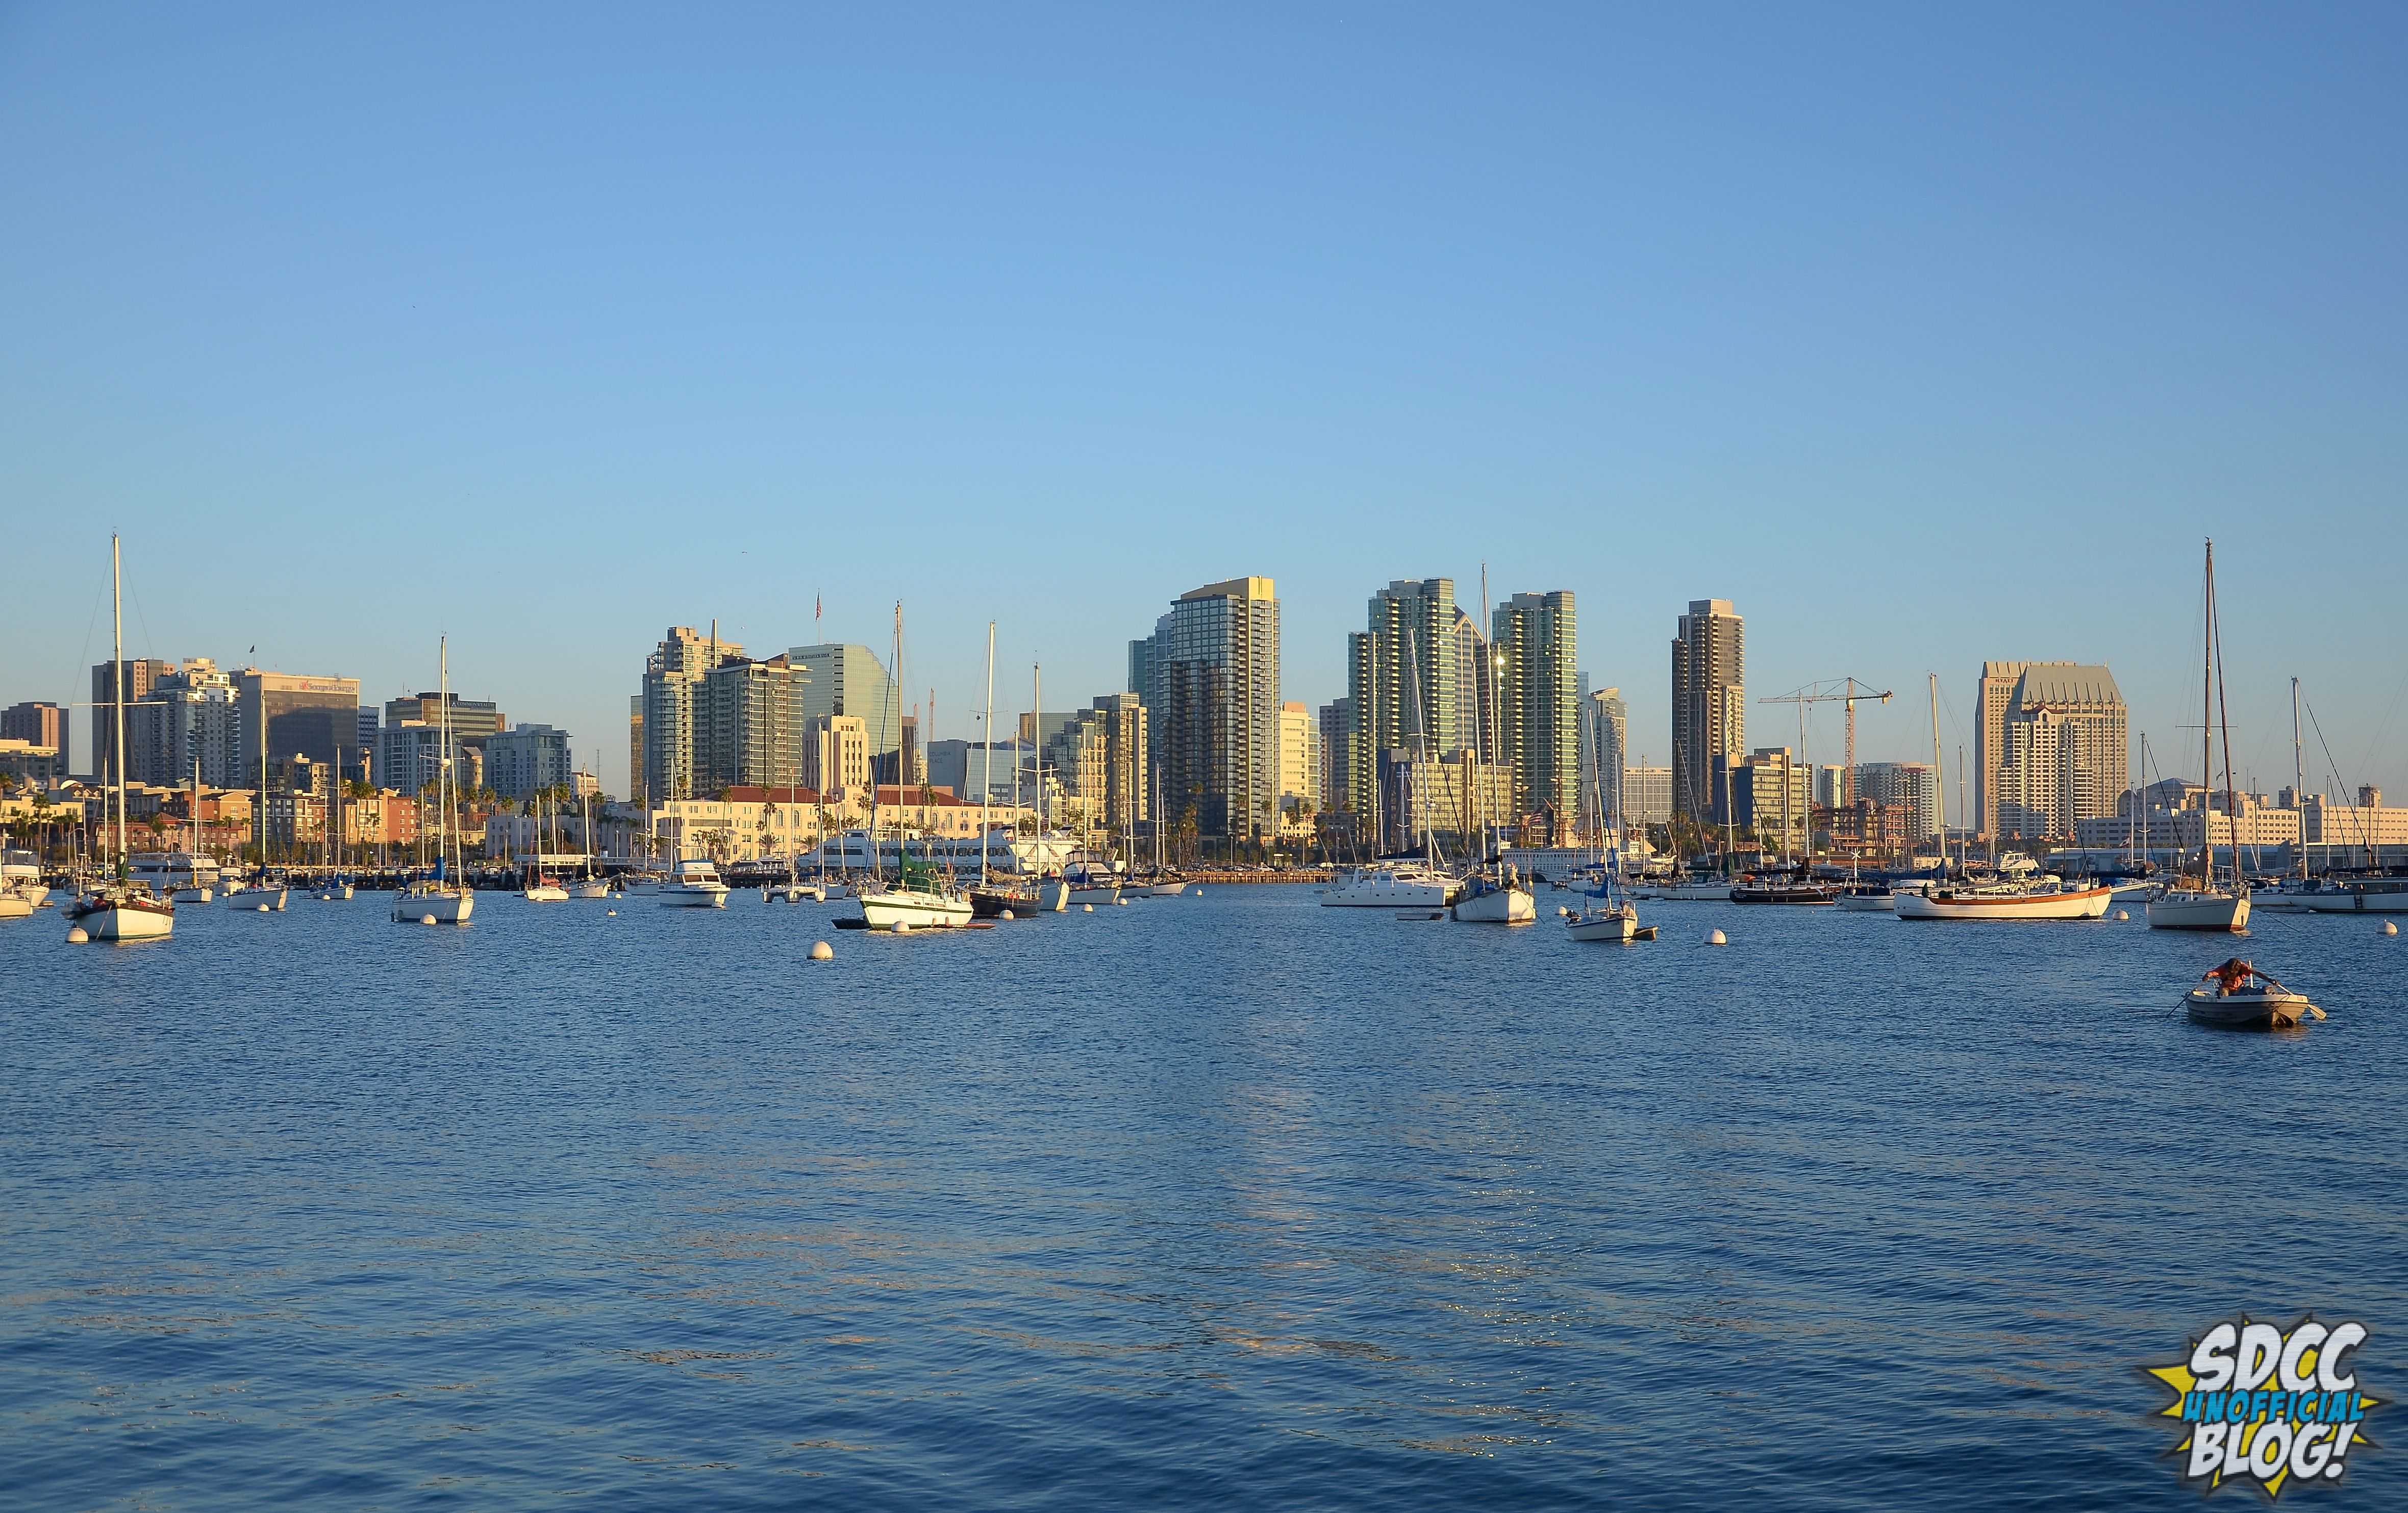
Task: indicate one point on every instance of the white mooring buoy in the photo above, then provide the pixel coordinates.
(1007, 914)
(76, 935)
(821, 951)
(902, 926)
(263, 908)
(426, 919)
(1086, 908)
(1716, 937)
(1123, 902)
(2122, 914)
(2388, 929)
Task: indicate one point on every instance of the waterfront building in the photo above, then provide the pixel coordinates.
(1605, 728)
(135, 676)
(2175, 816)
(527, 760)
(584, 785)
(1830, 786)
(850, 679)
(1214, 707)
(2367, 823)
(1535, 643)
(836, 753)
(1404, 682)
(1646, 795)
(37, 722)
(2051, 747)
(1910, 784)
(1709, 701)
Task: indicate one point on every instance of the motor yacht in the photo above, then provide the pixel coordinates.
(694, 883)
(1406, 887)
(2047, 898)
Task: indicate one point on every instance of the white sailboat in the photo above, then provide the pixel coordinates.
(2203, 905)
(122, 908)
(445, 898)
(919, 899)
(1493, 894)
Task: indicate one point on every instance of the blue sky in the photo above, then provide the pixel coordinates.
(1925, 334)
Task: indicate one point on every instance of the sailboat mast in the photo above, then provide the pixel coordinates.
(2207, 720)
(1939, 777)
(2223, 721)
(2299, 781)
(117, 690)
(986, 761)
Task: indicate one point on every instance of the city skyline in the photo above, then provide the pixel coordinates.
(553, 343)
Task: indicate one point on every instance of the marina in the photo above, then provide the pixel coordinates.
(1292, 1211)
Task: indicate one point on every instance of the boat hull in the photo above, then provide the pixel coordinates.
(987, 903)
(2357, 902)
(1613, 929)
(1391, 892)
(1868, 902)
(1110, 894)
(545, 893)
(590, 888)
(693, 896)
(252, 898)
(1052, 896)
(1691, 893)
(2073, 904)
(919, 911)
(445, 908)
(2276, 1010)
(121, 923)
(2225, 912)
(1498, 906)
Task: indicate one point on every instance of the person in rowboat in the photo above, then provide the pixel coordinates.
(2234, 975)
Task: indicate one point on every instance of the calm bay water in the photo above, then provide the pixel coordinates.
(1229, 1198)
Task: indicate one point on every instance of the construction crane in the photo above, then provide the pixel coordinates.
(1849, 692)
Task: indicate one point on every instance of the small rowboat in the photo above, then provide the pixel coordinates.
(2237, 996)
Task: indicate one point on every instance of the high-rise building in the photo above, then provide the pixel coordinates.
(302, 716)
(1475, 688)
(1098, 757)
(135, 677)
(836, 754)
(1536, 643)
(672, 675)
(850, 679)
(1301, 758)
(187, 724)
(473, 720)
(1646, 795)
(1769, 794)
(1709, 702)
(37, 724)
(2051, 747)
(1336, 720)
(1215, 667)
(1605, 729)
(1401, 675)
(526, 759)
(1830, 786)
(410, 757)
(1907, 783)
(748, 724)
(636, 786)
